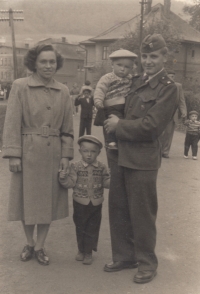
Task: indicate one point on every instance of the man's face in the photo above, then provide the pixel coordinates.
(153, 62)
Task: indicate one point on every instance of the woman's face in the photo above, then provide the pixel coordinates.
(46, 65)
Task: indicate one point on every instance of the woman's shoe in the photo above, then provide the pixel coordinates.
(27, 253)
(41, 257)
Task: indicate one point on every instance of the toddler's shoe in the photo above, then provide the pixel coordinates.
(185, 156)
(88, 259)
(194, 157)
(112, 146)
(79, 256)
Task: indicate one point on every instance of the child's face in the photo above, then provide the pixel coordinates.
(89, 151)
(193, 117)
(86, 93)
(122, 67)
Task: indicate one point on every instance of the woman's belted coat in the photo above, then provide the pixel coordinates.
(39, 130)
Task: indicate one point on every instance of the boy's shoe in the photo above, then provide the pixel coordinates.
(88, 259)
(194, 157)
(79, 256)
(112, 146)
(185, 156)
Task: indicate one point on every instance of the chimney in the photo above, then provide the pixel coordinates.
(167, 5)
(63, 40)
(147, 7)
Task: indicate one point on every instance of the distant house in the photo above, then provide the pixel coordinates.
(73, 67)
(186, 61)
(6, 63)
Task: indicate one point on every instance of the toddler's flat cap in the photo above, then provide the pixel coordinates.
(122, 53)
(90, 138)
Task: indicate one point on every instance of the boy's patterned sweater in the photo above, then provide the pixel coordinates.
(87, 181)
(112, 90)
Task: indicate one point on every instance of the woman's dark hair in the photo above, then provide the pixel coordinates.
(32, 54)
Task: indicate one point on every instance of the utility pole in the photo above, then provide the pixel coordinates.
(11, 20)
(143, 2)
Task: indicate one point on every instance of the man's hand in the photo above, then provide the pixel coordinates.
(110, 124)
(15, 164)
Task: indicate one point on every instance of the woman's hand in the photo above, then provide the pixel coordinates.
(64, 165)
(15, 164)
(110, 124)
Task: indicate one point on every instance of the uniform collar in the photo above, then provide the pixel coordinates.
(85, 164)
(154, 81)
(34, 81)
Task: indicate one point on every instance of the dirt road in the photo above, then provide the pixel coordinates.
(178, 241)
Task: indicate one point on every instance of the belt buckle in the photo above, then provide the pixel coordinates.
(45, 131)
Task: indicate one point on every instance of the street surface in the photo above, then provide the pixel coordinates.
(178, 240)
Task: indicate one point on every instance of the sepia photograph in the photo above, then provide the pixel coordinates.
(99, 138)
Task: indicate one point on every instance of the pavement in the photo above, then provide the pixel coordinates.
(178, 240)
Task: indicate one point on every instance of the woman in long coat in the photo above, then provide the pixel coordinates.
(38, 140)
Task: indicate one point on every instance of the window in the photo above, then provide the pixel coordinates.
(1, 61)
(5, 61)
(2, 75)
(193, 53)
(105, 52)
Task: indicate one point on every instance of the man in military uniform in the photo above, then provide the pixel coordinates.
(149, 107)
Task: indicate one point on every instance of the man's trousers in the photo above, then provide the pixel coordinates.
(87, 219)
(132, 214)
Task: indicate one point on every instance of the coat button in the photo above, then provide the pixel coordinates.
(48, 144)
(49, 108)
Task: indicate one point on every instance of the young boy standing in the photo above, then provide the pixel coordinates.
(112, 88)
(85, 99)
(192, 134)
(88, 177)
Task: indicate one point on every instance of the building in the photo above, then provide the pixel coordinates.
(186, 61)
(6, 63)
(73, 68)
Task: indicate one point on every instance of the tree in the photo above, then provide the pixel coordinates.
(163, 27)
(194, 12)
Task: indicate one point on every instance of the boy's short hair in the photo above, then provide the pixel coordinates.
(193, 112)
(91, 139)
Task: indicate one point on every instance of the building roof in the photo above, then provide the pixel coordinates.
(184, 30)
(68, 51)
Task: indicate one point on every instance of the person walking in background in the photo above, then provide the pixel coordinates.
(74, 93)
(85, 100)
(192, 134)
(38, 140)
(133, 202)
(167, 135)
(88, 177)
(112, 89)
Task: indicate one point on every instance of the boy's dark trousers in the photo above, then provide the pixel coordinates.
(85, 124)
(87, 219)
(117, 110)
(191, 140)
